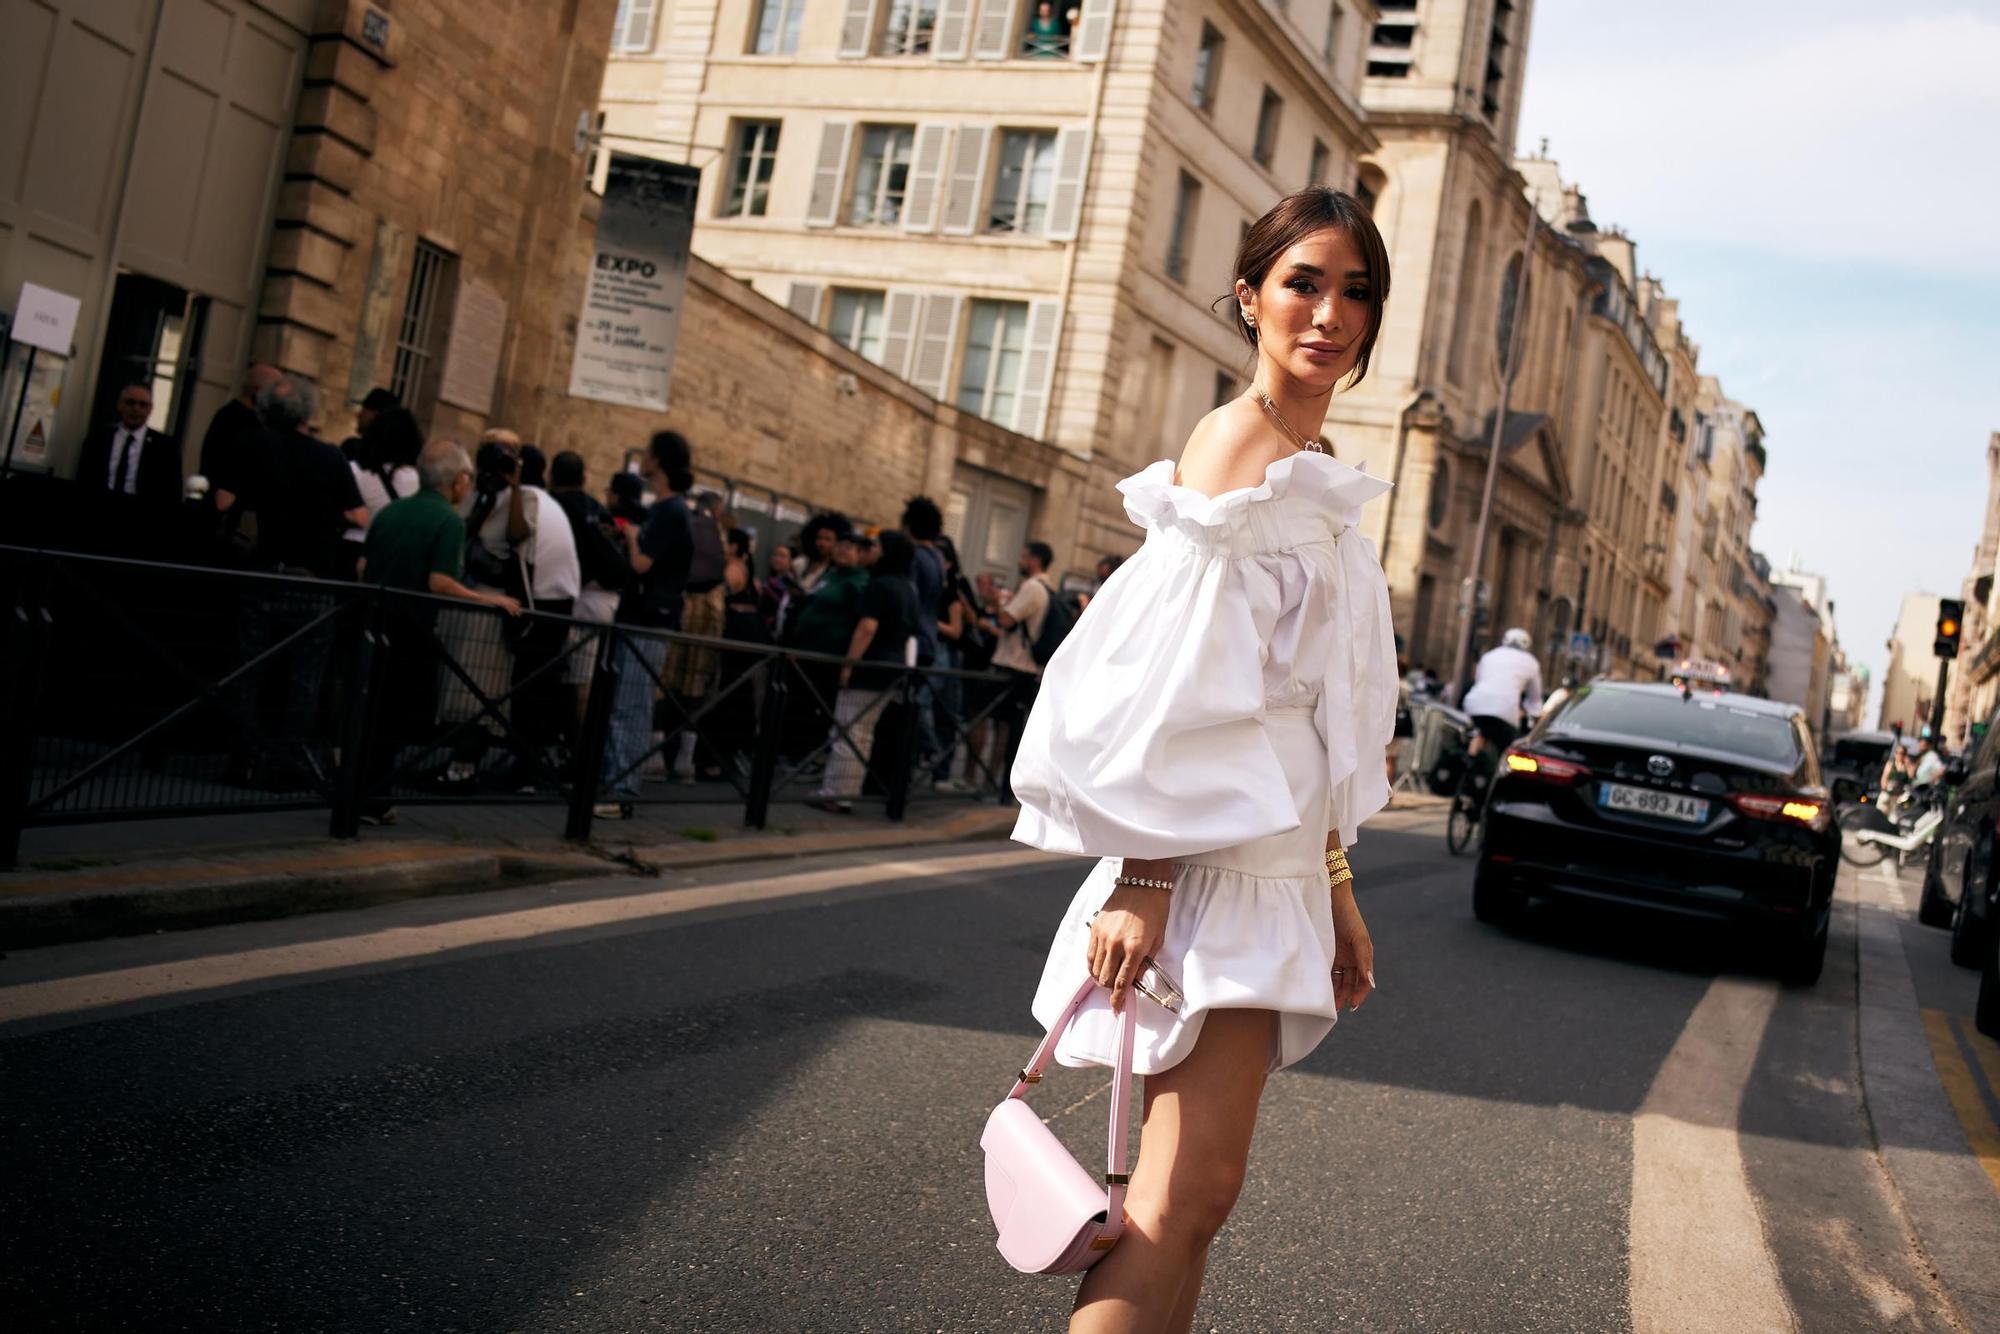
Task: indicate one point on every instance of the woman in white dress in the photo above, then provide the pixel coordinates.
(1213, 730)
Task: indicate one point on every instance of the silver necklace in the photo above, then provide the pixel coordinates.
(1271, 410)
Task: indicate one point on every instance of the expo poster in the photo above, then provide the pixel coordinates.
(638, 275)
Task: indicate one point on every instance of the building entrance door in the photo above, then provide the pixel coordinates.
(152, 336)
(988, 520)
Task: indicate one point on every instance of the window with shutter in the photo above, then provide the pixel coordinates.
(1092, 40)
(937, 337)
(954, 30)
(881, 175)
(632, 29)
(804, 301)
(753, 156)
(899, 330)
(963, 194)
(920, 199)
(989, 380)
(1072, 170)
(1038, 368)
(856, 320)
(829, 170)
(912, 25)
(857, 27)
(1023, 184)
(993, 38)
(778, 24)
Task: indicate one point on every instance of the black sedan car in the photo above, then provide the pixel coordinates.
(1706, 805)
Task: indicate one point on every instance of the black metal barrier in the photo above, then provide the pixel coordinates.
(134, 689)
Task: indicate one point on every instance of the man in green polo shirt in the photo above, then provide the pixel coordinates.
(416, 545)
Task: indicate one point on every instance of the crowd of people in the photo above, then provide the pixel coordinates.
(521, 559)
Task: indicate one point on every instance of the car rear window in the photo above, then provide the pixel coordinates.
(1860, 752)
(1698, 720)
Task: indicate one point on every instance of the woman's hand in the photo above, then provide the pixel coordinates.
(1353, 952)
(1125, 932)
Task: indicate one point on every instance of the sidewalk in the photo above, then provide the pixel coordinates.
(1935, 1128)
(81, 882)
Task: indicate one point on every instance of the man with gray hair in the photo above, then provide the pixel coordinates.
(304, 494)
(416, 545)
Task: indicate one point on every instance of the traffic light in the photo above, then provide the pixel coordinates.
(1951, 614)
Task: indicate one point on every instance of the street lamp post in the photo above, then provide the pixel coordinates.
(1510, 361)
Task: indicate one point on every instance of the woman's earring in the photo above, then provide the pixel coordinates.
(1249, 319)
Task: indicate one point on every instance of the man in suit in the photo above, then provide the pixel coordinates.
(129, 458)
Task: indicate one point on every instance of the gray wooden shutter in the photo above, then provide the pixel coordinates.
(921, 196)
(899, 330)
(829, 172)
(1092, 39)
(999, 31)
(937, 339)
(857, 29)
(965, 192)
(953, 36)
(804, 301)
(1038, 368)
(1072, 169)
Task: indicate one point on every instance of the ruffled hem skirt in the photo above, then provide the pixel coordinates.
(1251, 927)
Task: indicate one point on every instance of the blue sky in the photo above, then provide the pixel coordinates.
(1819, 184)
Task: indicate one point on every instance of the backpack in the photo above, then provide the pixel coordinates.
(1056, 623)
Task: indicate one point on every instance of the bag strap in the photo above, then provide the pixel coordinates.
(1115, 1174)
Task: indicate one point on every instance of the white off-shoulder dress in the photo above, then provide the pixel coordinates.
(1225, 701)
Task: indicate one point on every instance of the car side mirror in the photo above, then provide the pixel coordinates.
(1848, 789)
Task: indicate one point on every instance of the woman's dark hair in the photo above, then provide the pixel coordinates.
(676, 459)
(566, 469)
(1292, 220)
(922, 520)
(627, 487)
(534, 466)
(899, 553)
(949, 550)
(832, 520)
(393, 440)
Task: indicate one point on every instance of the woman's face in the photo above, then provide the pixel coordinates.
(823, 543)
(737, 575)
(1312, 310)
(781, 560)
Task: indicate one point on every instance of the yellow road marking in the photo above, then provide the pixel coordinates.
(1961, 1087)
(1984, 1050)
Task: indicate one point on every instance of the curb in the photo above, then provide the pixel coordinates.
(139, 898)
(1945, 1195)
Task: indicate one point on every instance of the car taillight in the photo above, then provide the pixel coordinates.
(1543, 768)
(1762, 806)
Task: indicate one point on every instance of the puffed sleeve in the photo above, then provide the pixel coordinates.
(1146, 738)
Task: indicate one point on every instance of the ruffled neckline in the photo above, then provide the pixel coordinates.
(1154, 500)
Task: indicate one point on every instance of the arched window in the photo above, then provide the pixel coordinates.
(1469, 287)
(1370, 184)
(1513, 307)
(1440, 501)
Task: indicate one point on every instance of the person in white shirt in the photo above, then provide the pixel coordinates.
(1506, 678)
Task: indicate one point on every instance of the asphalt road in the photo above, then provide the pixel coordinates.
(753, 1103)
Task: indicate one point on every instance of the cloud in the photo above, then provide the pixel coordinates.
(1872, 138)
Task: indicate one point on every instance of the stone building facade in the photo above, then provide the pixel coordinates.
(1025, 216)
(416, 214)
(1909, 683)
(1974, 689)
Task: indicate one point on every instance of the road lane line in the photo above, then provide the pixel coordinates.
(96, 990)
(1699, 1258)
(1961, 1089)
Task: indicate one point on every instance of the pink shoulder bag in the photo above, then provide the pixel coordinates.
(1053, 1216)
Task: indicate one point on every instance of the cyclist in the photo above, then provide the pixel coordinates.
(1507, 679)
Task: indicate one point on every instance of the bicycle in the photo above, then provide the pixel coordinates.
(1868, 834)
(1468, 799)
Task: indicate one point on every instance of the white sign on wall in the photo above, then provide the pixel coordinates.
(45, 319)
(472, 350)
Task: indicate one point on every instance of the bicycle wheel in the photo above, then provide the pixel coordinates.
(1463, 823)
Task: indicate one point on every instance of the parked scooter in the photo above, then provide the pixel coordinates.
(1904, 823)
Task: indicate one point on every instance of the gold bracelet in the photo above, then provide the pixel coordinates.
(1336, 860)
(1338, 878)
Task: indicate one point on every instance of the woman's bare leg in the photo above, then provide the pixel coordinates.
(1192, 1154)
